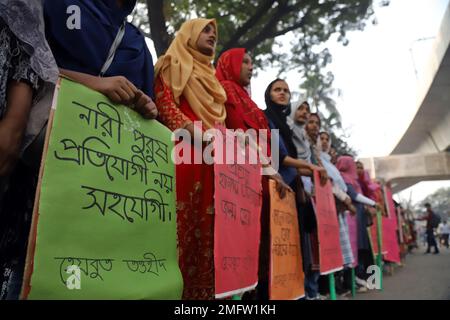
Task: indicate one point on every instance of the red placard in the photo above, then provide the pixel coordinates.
(238, 201)
(330, 253)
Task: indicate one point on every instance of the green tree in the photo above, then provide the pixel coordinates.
(320, 92)
(258, 25)
(439, 200)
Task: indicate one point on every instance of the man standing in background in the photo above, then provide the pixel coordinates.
(432, 220)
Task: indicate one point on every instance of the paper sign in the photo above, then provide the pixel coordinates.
(106, 223)
(286, 271)
(330, 253)
(238, 200)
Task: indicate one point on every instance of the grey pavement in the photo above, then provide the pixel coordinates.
(422, 277)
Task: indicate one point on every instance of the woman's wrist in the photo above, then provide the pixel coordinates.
(90, 81)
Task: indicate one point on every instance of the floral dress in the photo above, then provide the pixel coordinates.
(195, 205)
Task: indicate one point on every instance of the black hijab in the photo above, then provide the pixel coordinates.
(278, 114)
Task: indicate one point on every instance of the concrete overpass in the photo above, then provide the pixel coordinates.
(423, 153)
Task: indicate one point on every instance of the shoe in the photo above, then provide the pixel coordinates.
(436, 252)
(362, 289)
(318, 297)
(361, 282)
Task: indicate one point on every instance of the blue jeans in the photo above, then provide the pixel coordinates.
(312, 283)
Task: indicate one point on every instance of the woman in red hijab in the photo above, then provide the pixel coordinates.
(234, 71)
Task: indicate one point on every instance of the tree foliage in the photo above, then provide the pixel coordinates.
(258, 25)
(255, 24)
(439, 200)
(319, 90)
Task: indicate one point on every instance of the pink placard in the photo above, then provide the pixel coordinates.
(390, 239)
(238, 200)
(390, 242)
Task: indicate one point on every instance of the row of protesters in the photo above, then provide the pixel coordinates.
(351, 178)
(189, 92)
(186, 90)
(109, 55)
(234, 71)
(312, 129)
(306, 127)
(292, 167)
(344, 207)
(320, 145)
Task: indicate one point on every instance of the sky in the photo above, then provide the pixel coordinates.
(378, 74)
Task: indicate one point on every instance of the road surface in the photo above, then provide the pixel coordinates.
(423, 277)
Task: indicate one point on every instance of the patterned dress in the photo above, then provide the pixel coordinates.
(14, 64)
(26, 57)
(195, 205)
(16, 190)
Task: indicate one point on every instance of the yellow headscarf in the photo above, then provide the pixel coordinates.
(190, 73)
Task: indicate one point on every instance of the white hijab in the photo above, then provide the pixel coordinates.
(332, 171)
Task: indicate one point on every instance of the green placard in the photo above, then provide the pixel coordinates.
(107, 219)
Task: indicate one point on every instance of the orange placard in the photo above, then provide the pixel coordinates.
(286, 270)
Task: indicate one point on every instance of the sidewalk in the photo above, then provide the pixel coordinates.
(423, 277)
